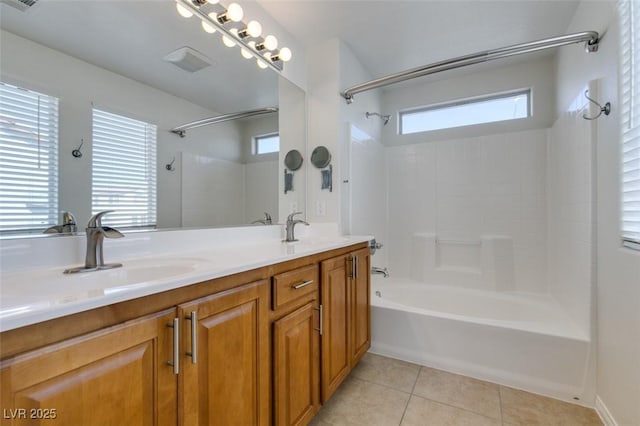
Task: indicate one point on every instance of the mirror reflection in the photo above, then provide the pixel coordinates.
(90, 78)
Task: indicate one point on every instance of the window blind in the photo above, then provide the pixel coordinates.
(124, 170)
(629, 13)
(28, 160)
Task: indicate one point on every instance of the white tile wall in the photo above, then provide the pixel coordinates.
(569, 242)
(465, 189)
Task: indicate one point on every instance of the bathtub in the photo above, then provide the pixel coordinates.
(520, 340)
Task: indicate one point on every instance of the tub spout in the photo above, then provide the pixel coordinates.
(383, 271)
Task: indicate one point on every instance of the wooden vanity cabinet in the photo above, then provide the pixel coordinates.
(346, 316)
(118, 376)
(224, 379)
(296, 346)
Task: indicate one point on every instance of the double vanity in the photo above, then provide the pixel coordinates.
(220, 326)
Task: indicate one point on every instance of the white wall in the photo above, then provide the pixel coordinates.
(570, 186)
(618, 269)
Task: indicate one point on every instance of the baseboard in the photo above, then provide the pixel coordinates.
(604, 413)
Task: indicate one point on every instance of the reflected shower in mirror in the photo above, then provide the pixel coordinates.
(72, 53)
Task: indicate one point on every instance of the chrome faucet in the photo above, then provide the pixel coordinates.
(68, 225)
(383, 271)
(265, 221)
(96, 233)
(291, 223)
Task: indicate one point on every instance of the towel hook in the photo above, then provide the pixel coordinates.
(169, 166)
(76, 152)
(606, 109)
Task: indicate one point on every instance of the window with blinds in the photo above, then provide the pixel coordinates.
(28, 160)
(124, 170)
(630, 112)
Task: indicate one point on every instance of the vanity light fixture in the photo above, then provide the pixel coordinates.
(235, 32)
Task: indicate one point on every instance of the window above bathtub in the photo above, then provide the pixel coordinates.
(489, 108)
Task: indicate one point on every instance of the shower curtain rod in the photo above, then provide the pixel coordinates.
(182, 130)
(589, 37)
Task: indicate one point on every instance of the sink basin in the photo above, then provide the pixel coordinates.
(58, 288)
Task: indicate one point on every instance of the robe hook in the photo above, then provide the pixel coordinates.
(606, 109)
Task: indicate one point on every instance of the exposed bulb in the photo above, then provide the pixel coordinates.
(254, 29)
(183, 11)
(285, 54)
(270, 42)
(245, 53)
(235, 12)
(228, 41)
(261, 64)
(207, 26)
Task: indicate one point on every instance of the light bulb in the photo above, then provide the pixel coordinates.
(245, 53)
(235, 12)
(228, 41)
(261, 64)
(183, 11)
(207, 26)
(254, 29)
(285, 54)
(270, 42)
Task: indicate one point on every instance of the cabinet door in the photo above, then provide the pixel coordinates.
(335, 299)
(116, 376)
(296, 372)
(360, 306)
(228, 381)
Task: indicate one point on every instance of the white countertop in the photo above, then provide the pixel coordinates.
(32, 295)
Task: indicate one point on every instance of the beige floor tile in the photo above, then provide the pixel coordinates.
(423, 412)
(357, 402)
(526, 409)
(394, 373)
(459, 391)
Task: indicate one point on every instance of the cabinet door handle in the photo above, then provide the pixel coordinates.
(354, 267)
(302, 284)
(193, 317)
(319, 309)
(176, 345)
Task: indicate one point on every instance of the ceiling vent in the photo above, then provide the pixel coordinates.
(188, 59)
(21, 5)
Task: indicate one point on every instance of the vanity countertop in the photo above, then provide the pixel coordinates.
(29, 296)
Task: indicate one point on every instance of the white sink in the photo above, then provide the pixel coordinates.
(56, 287)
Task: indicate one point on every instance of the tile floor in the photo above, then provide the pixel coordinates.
(387, 392)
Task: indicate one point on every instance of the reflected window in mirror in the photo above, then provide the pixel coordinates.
(28, 160)
(124, 170)
(266, 144)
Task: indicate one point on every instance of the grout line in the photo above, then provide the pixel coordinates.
(500, 402)
(411, 395)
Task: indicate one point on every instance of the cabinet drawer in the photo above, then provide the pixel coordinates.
(294, 284)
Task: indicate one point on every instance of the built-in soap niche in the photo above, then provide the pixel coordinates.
(485, 264)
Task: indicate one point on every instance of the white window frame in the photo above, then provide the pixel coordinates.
(28, 160)
(629, 14)
(123, 173)
(461, 102)
(256, 142)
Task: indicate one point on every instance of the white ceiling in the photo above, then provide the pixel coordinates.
(130, 37)
(395, 35)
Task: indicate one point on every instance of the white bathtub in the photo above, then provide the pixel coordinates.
(521, 340)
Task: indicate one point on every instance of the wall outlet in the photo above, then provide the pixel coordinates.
(293, 207)
(321, 208)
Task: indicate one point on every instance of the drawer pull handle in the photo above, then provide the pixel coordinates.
(194, 335)
(302, 284)
(176, 345)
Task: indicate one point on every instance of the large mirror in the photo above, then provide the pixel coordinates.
(107, 56)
